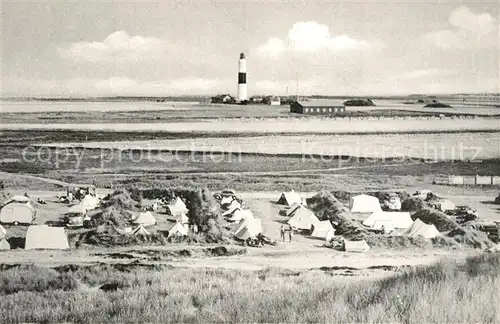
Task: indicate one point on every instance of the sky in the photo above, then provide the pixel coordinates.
(164, 48)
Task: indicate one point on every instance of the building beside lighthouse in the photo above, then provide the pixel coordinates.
(242, 96)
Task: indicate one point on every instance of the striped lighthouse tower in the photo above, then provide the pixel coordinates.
(242, 79)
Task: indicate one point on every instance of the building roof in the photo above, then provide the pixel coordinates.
(321, 103)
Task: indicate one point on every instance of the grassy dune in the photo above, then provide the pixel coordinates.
(446, 292)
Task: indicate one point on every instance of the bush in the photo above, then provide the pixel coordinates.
(437, 218)
(33, 278)
(359, 103)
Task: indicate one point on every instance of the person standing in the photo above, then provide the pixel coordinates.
(290, 232)
(282, 232)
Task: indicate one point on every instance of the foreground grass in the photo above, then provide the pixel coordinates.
(444, 293)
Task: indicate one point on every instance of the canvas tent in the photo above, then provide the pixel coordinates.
(4, 244)
(231, 208)
(364, 204)
(356, 246)
(241, 214)
(250, 228)
(182, 218)
(389, 220)
(177, 207)
(145, 219)
(177, 230)
(323, 229)
(46, 237)
(303, 219)
(17, 212)
(89, 202)
(289, 198)
(419, 228)
(3, 232)
(292, 209)
(140, 230)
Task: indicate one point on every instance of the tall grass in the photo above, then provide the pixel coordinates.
(446, 292)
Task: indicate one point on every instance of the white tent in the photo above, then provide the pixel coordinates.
(292, 209)
(419, 228)
(322, 230)
(4, 244)
(364, 204)
(3, 232)
(241, 214)
(233, 206)
(289, 198)
(145, 219)
(303, 219)
(182, 218)
(140, 230)
(226, 201)
(178, 230)
(356, 246)
(177, 207)
(389, 220)
(46, 237)
(89, 202)
(17, 212)
(251, 228)
(445, 205)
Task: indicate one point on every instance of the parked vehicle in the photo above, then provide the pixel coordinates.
(462, 214)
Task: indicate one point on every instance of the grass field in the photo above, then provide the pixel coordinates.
(447, 292)
(435, 147)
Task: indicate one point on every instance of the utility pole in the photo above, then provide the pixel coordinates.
(297, 86)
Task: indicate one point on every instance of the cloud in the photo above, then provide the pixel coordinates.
(272, 48)
(118, 46)
(114, 86)
(424, 73)
(463, 18)
(471, 31)
(312, 37)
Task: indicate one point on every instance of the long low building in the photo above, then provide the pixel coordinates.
(318, 107)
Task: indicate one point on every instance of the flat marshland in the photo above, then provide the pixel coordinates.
(445, 292)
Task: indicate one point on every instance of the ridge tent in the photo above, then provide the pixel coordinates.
(364, 204)
(390, 220)
(241, 214)
(303, 219)
(89, 202)
(419, 228)
(356, 246)
(145, 219)
(289, 198)
(252, 228)
(182, 218)
(140, 230)
(178, 206)
(177, 230)
(322, 230)
(233, 206)
(15, 212)
(3, 232)
(4, 244)
(293, 208)
(46, 237)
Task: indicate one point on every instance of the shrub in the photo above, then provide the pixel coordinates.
(33, 278)
(437, 218)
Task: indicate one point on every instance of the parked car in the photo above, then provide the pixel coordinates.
(462, 214)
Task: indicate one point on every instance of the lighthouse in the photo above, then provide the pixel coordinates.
(242, 79)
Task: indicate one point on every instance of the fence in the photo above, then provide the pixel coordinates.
(468, 180)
